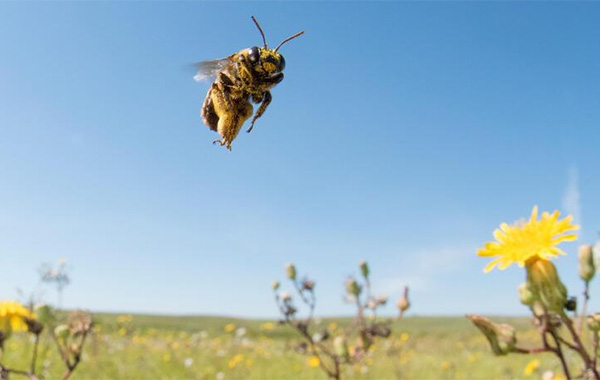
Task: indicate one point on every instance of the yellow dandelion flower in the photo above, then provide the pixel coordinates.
(333, 326)
(167, 358)
(229, 327)
(531, 367)
(533, 239)
(13, 316)
(445, 365)
(313, 362)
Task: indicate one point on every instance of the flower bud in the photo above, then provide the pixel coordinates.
(593, 322)
(276, 285)
(340, 346)
(526, 295)
(571, 304)
(364, 269)
(403, 303)
(587, 267)
(308, 285)
(290, 271)
(546, 285)
(352, 287)
(502, 337)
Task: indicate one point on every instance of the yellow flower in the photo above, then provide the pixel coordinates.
(445, 365)
(13, 315)
(404, 337)
(313, 362)
(333, 326)
(531, 367)
(267, 326)
(533, 239)
(229, 327)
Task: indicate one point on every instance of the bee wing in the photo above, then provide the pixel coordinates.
(210, 69)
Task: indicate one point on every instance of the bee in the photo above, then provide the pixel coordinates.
(241, 79)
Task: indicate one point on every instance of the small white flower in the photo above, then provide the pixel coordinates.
(548, 375)
(240, 332)
(220, 375)
(188, 362)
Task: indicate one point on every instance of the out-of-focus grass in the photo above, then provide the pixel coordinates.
(165, 347)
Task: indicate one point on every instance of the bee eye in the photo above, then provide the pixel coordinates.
(281, 63)
(253, 54)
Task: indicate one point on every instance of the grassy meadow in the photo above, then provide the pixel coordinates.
(168, 347)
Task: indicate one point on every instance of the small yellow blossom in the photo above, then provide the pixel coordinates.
(124, 318)
(235, 360)
(531, 367)
(122, 332)
(313, 362)
(229, 327)
(520, 242)
(167, 358)
(404, 337)
(333, 326)
(267, 326)
(13, 316)
(445, 365)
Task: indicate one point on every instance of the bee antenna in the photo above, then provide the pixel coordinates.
(288, 39)
(261, 32)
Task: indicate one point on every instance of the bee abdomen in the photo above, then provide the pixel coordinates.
(209, 116)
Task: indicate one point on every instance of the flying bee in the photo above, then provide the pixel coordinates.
(244, 77)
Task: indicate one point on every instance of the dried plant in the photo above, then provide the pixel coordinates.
(69, 338)
(332, 349)
(561, 329)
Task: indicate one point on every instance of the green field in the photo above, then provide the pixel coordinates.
(166, 347)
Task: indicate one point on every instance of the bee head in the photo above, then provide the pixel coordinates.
(265, 60)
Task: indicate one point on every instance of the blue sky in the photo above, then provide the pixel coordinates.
(403, 133)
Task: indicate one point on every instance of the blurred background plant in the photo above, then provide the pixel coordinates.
(332, 348)
(561, 328)
(57, 276)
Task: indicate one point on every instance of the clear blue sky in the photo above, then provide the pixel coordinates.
(403, 133)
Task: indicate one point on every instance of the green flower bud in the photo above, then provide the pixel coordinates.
(543, 280)
(502, 337)
(587, 267)
(352, 287)
(290, 271)
(364, 269)
(526, 295)
(340, 346)
(275, 285)
(593, 322)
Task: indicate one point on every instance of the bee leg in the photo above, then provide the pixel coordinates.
(261, 110)
(224, 84)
